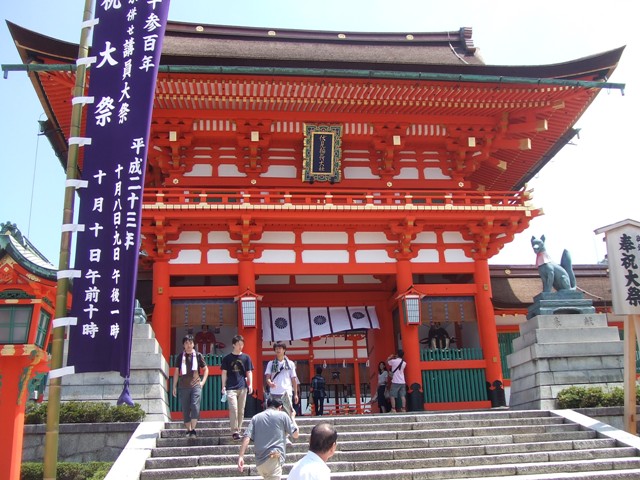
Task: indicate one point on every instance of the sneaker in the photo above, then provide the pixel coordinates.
(236, 435)
(193, 433)
(187, 434)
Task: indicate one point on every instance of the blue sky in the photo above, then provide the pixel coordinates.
(590, 184)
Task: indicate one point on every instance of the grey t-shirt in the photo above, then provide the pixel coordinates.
(269, 430)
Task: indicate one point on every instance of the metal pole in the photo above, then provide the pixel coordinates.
(57, 343)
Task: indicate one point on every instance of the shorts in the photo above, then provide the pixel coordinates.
(398, 388)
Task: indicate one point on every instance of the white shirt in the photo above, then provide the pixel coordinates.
(398, 375)
(310, 467)
(283, 380)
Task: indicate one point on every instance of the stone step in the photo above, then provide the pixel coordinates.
(619, 474)
(210, 429)
(496, 426)
(485, 445)
(448, 468)
(465, 456)
(358, 442)
(416, 446)
(501, 415)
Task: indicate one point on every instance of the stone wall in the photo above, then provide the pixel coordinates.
(147, 383)
(79, 442)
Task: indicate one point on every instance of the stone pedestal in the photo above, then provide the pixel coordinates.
(554, 352)
(560, 303)
(147, 380)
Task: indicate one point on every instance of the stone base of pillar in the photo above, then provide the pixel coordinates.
(560, 303)
(147, 381)
(554, 352)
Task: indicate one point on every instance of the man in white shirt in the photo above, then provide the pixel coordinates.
(322, 446)
(282, 379)
(398, 382)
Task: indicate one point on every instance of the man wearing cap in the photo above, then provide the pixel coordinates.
(268, 431)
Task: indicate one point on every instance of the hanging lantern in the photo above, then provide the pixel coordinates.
(248, 303)
(410, 306)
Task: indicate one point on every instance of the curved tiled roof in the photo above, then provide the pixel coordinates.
(18, 247)
(514, 286)
(388, 64)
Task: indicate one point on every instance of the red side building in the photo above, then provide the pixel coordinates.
(337, 180)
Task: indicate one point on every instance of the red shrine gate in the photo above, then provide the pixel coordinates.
(292, 169)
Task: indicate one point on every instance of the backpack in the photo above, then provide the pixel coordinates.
(318, 384)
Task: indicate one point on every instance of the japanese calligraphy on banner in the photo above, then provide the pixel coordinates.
(127, 42)
(623, 253)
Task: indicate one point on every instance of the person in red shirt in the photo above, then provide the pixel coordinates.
(205, 340)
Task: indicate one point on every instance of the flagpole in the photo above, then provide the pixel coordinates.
(62, 292)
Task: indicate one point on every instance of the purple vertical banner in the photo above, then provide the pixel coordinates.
(127, 43)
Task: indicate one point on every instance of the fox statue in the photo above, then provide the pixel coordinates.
(560, 277)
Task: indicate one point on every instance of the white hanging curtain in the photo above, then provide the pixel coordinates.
(297, 323)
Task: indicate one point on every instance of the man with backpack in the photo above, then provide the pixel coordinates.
(282, 380)
(398, 382)
(318, 391)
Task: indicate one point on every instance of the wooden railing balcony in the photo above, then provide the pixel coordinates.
(221, 199)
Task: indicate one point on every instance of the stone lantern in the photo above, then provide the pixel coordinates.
(27, 298)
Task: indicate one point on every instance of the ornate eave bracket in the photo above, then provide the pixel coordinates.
(245, 230)
(156, 234)
(170, 141)
(253, 138)
(388, 140)
(404, 233)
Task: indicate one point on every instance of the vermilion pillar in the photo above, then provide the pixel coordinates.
(487, 322)
(161, 320)
(17, 362)
(380, 343)
(252, 335)
(409, 333)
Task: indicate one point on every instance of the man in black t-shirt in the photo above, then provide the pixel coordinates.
(237, 383)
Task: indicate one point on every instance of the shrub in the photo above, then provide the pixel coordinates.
(593, 397)
(614, 397)
(570, 397)
(85, 412)
(588, 397)
(67, 471)
(35, 413)
(125, 413)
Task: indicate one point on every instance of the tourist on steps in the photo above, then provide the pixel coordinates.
(398, 383)
(268, 431)
(237, 381)
(186, 380)
(322, 446)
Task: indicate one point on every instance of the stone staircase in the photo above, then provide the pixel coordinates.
(525, 445)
